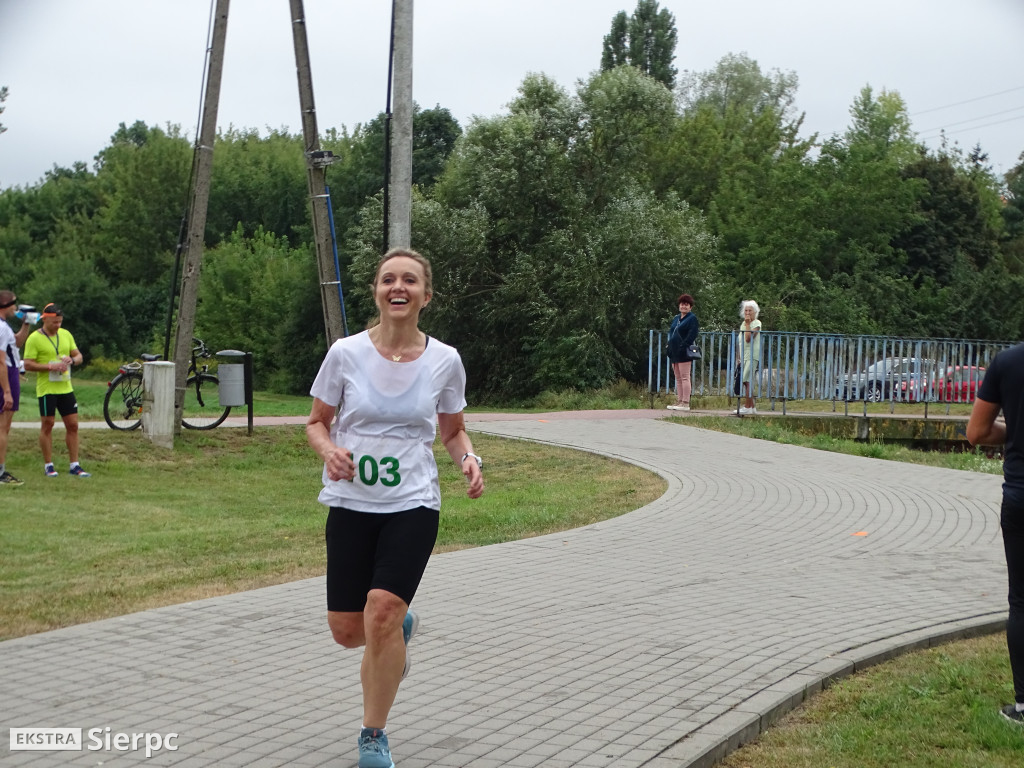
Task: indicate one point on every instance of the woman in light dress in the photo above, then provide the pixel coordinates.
(749, 353)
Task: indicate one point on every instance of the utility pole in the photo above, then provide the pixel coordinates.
(202, 169)
(400, 187)
(317, 162)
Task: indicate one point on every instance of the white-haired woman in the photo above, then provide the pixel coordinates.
(749, 353)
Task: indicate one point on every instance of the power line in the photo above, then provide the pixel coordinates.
(968, 101)
(972, 119)
(973, 128)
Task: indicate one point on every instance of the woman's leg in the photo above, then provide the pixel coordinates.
(679, 382)
(375, 562)
(683, 384)
(384, 656)
(749, 370)
(379, 628)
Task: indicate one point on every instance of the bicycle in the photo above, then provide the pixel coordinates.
(122, 405)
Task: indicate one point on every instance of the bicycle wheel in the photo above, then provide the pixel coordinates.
(201, 408)
(122, 405)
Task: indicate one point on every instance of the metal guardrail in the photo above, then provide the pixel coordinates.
(809, 366)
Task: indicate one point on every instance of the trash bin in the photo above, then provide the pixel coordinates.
(231, 372)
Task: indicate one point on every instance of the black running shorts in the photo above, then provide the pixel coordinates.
(372, 550)
(65, 404)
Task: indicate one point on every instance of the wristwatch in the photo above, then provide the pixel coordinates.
(479, 461)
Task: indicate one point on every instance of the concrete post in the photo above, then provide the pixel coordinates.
(158, 402)
(400, 188)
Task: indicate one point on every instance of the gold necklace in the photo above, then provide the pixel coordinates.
(396, 358)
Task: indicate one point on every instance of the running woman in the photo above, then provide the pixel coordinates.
(377, 400)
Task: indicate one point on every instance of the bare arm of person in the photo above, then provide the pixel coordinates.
(455, 439)
(22, 334)
(32, 366)
(337, 460)
(984, 428)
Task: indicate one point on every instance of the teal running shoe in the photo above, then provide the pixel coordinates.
(410, 624)
(374, 751)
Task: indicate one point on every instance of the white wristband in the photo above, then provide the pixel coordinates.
(479, 461)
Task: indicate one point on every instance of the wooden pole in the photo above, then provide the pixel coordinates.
(317, 162)
(202, 164)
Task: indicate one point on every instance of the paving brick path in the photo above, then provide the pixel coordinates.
(659, 639)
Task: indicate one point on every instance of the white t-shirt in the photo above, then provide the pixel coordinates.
(9, 345)
(388, 419)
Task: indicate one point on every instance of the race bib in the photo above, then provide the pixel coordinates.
(371, 470)
(388, 471)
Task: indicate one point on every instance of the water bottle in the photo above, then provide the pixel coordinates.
(27, 314)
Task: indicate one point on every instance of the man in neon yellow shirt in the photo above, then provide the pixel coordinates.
(50, 352)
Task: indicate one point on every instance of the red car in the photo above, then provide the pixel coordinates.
(959, 385)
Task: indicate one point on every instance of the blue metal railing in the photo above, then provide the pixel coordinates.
(810, 366)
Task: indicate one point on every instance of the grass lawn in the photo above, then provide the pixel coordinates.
(932, 709)
(779, 429)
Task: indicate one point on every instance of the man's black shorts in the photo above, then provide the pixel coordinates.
(65, 404)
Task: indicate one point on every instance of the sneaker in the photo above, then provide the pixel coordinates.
(373, 749)
(682, 407)
(409, 626)
(50, 471)
(1010, 713)
(8, 479)
(78, 472)
(744, 410)
(672, 407)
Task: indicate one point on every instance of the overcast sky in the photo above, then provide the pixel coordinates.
(77, 68)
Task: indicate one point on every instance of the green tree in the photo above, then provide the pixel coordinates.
(259, 294)
(69, 276)
(881, 125)
(951, 227)
(1012, 211)
(260, 183)
(563, 278)
(142, 177)
(625, 119)
(31, 219)
(812, 239)
(737, 84)
(646, 40)
(736, 124)
(3, 98)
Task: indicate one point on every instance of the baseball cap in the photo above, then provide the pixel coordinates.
(52, 309)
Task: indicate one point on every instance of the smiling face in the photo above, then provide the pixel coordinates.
(401, 288)
(684, 307)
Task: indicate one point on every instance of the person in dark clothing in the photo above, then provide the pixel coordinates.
(682, 333)
(1003, 388)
